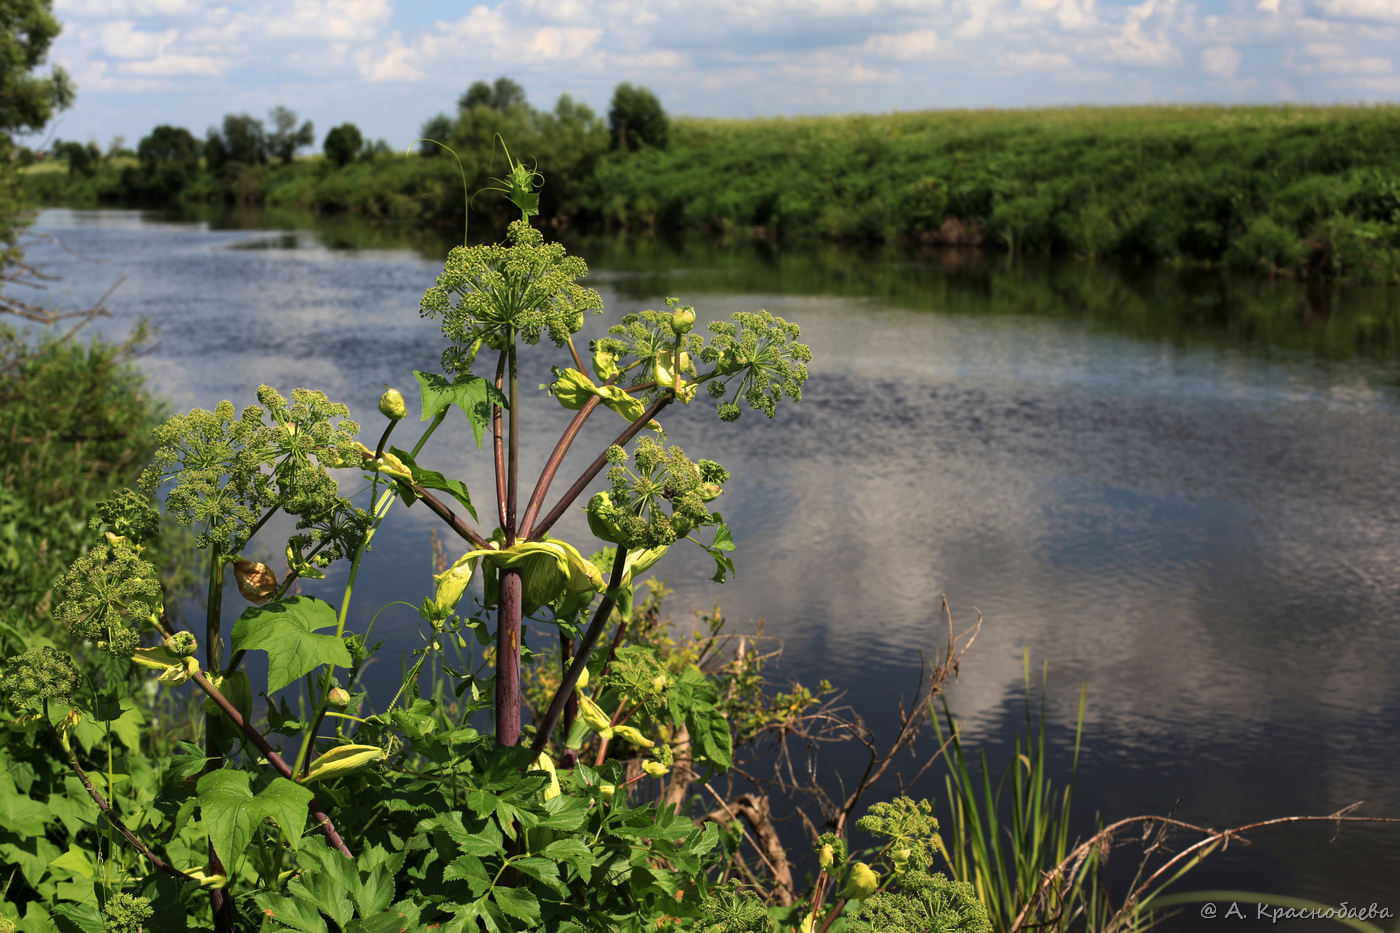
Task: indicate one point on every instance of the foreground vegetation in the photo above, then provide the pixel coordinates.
(1311, 192)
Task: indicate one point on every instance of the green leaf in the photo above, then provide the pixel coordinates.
(541, 869)
(468, 868)
(84, 917)
(724, 541)
(571, 850)
(291, 912)
(376, 892)
(224, 803)
(517, 903)
(402, 917)
(75, 860)
(285, 630)
(432, 479)
(19, 814)
(473, 394)
(284, 802)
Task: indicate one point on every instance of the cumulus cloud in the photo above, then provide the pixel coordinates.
(907, 46)
(1220, 61)
(368, 60)
(330, 19)
(121, 39)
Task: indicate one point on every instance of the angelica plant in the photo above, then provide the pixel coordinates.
(514, 840)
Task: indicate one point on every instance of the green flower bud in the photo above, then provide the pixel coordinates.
(338, 697)
(603, 518)
(343, 760)
(655, 768)
(182, 644)
(391, 405)
(862, 883)
(682, 320)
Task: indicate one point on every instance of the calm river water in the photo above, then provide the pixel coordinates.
(1181, 488)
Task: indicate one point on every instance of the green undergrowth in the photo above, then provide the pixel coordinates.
(1309, 192)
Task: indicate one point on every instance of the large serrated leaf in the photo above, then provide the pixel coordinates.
(284, 802)
(286, 630)
(518, 903)
(473, 394)
(291, 912)
(225, 804)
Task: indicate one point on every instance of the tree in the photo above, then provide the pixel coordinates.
(82, 159)
(243, 140)
(286, 137)
(503, 95)
(635, 119)
(169, 159)
(169, 146)
(27, 101)
(215, 152)
(438, 128)
(343, 143)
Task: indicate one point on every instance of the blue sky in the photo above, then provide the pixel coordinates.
(389, 65)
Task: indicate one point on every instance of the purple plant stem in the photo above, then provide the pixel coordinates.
(596, 467)
(585, 648)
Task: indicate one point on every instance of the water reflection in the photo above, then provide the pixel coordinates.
(1176, 485)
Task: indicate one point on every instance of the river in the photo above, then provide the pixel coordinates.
(1177, 486)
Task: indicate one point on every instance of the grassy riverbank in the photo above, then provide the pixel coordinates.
(1306, 191)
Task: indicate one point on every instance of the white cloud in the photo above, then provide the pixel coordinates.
(1144, 38)
(329, 19)
(175, 66)
(556, 43)
(907, 46)
(68, 10)
(121, 39)
(1221, 61)
(395, 63)
(1036, 60)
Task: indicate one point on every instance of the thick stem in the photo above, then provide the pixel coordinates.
(551, 466)
(498, 444)
(596, 467)
(508, 659)
(513, 454)
(585, 648)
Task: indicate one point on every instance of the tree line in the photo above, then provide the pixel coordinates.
(233, 160)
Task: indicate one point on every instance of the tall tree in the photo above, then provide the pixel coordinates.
(285, 137)
(438, 128)
(635, 119)
(503, 95)
(243, 140)
(343, 143)
(169, 159)
(27, 100)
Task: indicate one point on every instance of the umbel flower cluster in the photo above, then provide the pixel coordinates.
(526, 288)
